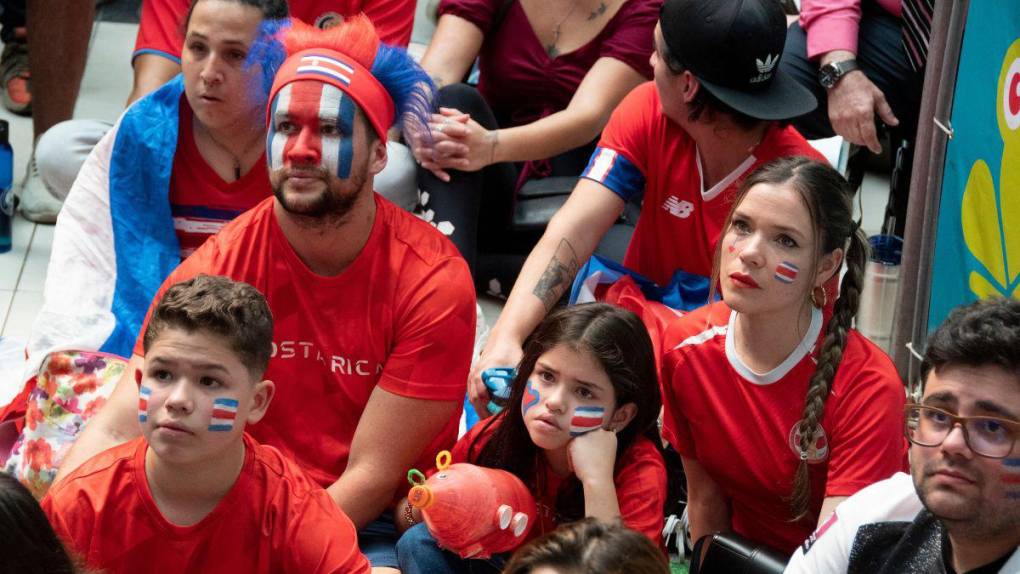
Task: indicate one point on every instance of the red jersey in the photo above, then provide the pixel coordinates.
(741, 425)
(200, 201)
(644, 152)
(274, 519)
(640, 480)
(401, 317)
(161, 27)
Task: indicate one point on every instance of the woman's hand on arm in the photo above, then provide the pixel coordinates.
(593, 458)
(707, 507)
(601, 90)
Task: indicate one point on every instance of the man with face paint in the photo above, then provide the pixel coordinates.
(374, 309)
(959, 509)
(229, 503)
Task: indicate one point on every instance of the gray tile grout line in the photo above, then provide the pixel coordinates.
(21, 273)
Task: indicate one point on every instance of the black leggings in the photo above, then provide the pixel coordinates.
(479, 205)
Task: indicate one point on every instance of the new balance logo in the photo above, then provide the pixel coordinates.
(678, 208)
(769, 63)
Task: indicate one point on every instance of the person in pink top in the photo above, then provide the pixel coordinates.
(852, 55)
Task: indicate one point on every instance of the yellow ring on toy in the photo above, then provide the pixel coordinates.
(443, 460)
(415, 477)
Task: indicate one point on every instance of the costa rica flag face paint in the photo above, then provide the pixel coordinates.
(1011, 477)
(786, 272)
(586, 419)
(144, 393)
(312, 125)
(224, 414)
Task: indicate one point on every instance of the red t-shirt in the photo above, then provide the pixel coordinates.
(640, 481)
(518, 78)
(643, 151)
(160, 30)
(401, 317)
(740, 425)
(200, 201)
(274, 519)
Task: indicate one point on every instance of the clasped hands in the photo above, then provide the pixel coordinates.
(457, 142)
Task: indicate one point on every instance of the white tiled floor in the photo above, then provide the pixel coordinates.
(104, 89)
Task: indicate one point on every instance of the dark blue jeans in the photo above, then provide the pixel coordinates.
(418, 553)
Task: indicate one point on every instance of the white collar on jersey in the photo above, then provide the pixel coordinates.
(709, 195)
(799, 352)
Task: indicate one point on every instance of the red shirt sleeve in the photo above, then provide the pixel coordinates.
(70, 524)
(631, 38)
(674, 426)
(867, 442)
(160, 28)
(320, 538)
(432, 354)
(641, 489)
(629, 129)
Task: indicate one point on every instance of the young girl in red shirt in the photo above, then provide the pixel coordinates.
(584, 357)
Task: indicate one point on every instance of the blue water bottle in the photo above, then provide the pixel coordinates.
(6, 191)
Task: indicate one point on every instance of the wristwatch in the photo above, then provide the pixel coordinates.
(829, 74)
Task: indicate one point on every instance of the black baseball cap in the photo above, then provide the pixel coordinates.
(733, 47)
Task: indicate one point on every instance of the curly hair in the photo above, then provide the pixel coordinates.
(982, 333)
(230, 309)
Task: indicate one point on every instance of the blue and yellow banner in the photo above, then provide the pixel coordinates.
(977, 244)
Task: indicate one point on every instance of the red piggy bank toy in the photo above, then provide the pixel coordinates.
(473, 511)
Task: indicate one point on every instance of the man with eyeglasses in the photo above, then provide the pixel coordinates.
(959, 509)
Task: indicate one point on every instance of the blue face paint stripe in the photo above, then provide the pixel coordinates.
(346, 156)
(271, 132)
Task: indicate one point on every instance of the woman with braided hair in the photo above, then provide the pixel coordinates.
(778, 411)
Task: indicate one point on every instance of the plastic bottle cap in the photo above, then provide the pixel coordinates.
(420, 497)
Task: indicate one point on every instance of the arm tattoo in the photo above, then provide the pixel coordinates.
(558, 275)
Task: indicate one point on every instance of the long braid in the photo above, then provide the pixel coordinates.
(829, 358)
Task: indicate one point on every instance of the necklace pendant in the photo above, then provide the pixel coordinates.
(552, 50)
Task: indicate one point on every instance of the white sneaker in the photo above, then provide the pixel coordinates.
(38, 203)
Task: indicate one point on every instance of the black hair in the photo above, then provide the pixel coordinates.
(271, 10)
(28, 544)
(590, 547)
(619, 341)
(828, 198)
(982, 333)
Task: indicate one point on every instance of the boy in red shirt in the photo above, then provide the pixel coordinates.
(194, 492)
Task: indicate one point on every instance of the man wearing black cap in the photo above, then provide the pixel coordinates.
(681, 144)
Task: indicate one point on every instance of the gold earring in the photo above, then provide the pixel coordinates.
(815, 297)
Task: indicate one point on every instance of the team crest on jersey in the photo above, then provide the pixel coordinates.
(818, 449)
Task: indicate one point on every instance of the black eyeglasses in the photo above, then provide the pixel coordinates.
(991, 437)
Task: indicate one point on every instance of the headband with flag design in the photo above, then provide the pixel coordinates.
(336, 69)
